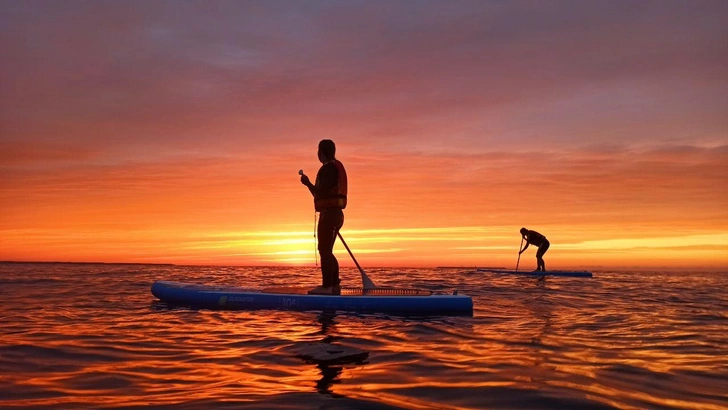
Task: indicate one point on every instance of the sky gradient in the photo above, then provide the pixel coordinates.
(172, 131)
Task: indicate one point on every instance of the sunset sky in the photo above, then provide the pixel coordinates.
(173, 131)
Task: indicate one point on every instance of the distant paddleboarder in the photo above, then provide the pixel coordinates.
(329, 198)
(536, 239)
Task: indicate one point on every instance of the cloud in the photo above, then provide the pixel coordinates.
(39, 154)
(680, 184)
(170, 75)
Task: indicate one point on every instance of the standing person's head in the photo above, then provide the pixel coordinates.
(524, 231)
(326, 150)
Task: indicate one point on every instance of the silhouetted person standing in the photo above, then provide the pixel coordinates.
(329, 197)
(536, 239)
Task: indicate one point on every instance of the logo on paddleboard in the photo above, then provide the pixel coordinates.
(233, 300)
(243, 299)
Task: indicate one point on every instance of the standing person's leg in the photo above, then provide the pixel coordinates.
(326, 238)
(338, 218)
(539, 255)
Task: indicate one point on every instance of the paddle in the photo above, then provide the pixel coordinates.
(368, 284)
(519, 253)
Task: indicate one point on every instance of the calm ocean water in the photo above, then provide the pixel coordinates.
(92, 336)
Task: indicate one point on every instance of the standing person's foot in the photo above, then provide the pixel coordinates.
(320, 290)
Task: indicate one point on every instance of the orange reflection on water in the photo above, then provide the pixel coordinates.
(615, 339)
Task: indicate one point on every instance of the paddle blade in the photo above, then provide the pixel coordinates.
(368, 284)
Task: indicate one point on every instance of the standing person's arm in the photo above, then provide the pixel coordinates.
(525, 247)
(327, 179)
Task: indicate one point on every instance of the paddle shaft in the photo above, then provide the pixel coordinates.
(519, 254)
(368, 284)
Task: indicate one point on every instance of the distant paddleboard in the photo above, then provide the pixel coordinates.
(571, 273)
(385, 300)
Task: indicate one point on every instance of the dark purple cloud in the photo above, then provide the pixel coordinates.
(420, 75)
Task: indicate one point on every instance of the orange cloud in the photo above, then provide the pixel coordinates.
(606, 207)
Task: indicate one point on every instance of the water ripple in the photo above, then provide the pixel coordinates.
(92, 336)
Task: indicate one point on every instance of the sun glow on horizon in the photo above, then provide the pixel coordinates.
(456, 246)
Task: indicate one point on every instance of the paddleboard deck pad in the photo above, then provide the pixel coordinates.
(569, 273)
(384, 300)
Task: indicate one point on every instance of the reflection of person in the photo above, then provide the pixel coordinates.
(329, 374)
(331, 358)
(536, 239)
(329, 193)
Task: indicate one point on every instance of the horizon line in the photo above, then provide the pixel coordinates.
(595, 268)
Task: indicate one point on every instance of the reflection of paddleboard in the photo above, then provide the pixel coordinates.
(572, 273)
(328, 353)
(389, 300)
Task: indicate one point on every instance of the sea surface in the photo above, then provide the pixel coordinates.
(92, 336)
